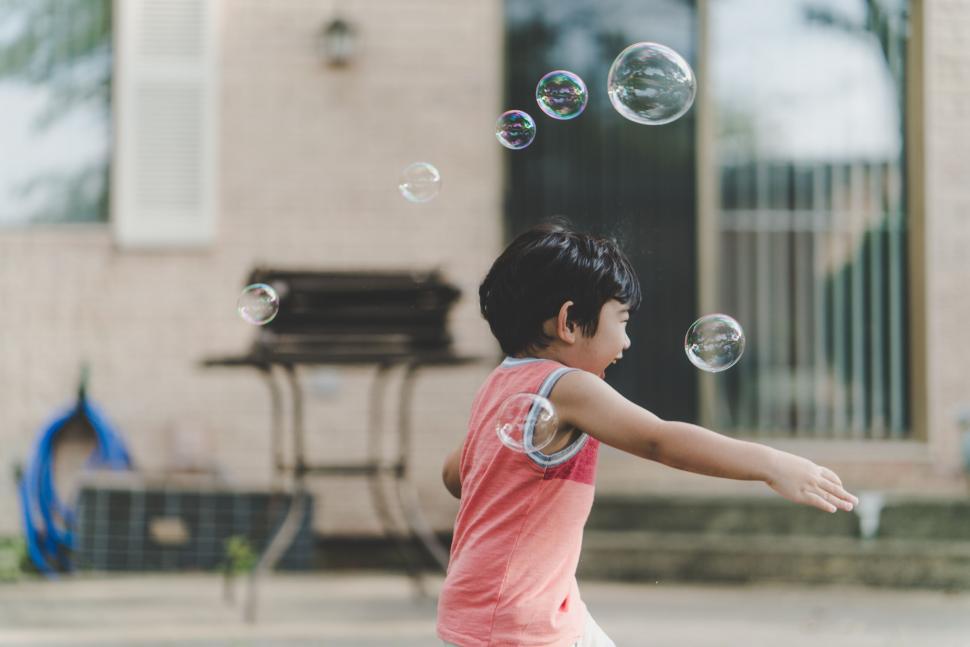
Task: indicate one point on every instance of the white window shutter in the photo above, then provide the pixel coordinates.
(165, 105)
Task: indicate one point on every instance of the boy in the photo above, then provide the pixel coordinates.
(558, 302)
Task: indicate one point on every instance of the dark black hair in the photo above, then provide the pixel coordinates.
(543, 268)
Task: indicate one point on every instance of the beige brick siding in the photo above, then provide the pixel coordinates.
(947, 228)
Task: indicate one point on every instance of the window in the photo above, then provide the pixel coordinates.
(808, 100)
(611, 176)
(55, 88)
(76, 74)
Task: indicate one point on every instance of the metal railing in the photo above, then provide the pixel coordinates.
(812, 263)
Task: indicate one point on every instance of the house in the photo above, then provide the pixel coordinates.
(817, 192)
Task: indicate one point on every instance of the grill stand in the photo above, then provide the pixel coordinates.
(375, 469)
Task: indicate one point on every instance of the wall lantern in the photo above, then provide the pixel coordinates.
(337, 42)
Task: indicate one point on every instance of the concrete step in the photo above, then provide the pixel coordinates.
(888, 541)
(877, 516)
(897, 542)
(664, 556)
(721, 515)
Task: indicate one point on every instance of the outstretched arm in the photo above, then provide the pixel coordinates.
(589, 403)
(449, 473)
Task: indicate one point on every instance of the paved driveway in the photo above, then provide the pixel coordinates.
(379, 610)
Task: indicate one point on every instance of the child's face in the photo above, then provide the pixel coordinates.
(607, 345)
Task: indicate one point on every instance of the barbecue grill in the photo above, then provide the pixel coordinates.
(385, 319)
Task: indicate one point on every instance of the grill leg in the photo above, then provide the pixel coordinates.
(375, 481)
(407, 495)
(287, 531)
(277, 546)
(276, 422)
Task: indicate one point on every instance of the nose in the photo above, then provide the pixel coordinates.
(626, 341)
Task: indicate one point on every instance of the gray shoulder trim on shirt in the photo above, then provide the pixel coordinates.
(518, 361)
(563, 454)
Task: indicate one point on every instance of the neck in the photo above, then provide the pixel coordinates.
(551, 352)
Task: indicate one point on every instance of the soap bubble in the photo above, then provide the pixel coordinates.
(258, 304)
(651, 84)
(515, 129)
(526, 422)
(714, 343)
(561, 95)
(420, 182)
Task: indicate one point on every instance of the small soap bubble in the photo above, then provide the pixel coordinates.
(515, 129)
(258, 304)
(714, 343)
(526, 422)
(420, 182)
(561, 95)
(651, 84)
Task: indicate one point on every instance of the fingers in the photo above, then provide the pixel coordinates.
(836, 496)
(819, 501)
(830, 475)
(833, 484)
(840, 493)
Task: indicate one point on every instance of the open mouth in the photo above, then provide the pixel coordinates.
(603, 372)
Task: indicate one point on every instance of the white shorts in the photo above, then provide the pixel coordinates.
(593, 636)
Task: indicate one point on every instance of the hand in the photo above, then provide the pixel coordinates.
(802, 481)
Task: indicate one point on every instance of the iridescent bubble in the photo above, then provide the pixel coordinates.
(515, 129)
(258, 304)
(561, 95)
(420, 182)
(526, 422)
(714, 343)
(651, 84)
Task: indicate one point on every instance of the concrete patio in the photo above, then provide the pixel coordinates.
(374, 609)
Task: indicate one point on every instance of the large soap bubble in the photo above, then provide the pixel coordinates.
(515, 129)
(526, 422)
(651, 84)
(258, 304)
(420, 182)
(714, 343)
(561, 95)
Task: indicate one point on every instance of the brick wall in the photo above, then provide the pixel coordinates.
(947, 221)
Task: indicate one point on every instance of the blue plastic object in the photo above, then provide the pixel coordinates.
(48, 521)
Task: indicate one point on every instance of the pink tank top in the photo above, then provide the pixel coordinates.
(512, 575)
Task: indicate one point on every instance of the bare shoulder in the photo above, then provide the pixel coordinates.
(587, 402)
(579, 394)
(576, 386)
(581, 388)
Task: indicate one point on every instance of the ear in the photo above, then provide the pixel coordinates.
(565, 329)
